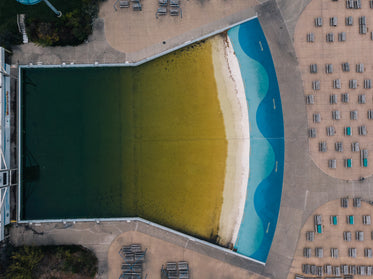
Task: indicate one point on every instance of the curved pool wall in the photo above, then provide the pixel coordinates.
(29, 2)
(264, 186)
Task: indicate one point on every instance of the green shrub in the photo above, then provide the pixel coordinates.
(44, 27)
(23, 263)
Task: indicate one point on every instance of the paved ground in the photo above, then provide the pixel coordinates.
(290, 11)
(134, 32)
(162, 245)
(355, 50)
(209, 18)
(332, 237)
(297, 165)
(159, 252)
(305, 186)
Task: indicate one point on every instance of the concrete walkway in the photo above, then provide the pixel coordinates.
(97, 48)
(100, 237)
(305, 186)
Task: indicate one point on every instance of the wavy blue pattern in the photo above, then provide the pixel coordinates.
(264, 186)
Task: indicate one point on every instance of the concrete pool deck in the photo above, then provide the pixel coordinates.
(105, 237)
(355, 50)
(305, 187)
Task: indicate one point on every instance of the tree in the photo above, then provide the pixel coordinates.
(24, 262)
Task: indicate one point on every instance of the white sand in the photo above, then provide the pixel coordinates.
(231, 94)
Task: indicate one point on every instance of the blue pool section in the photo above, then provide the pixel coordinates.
(29, 2)
(264, 186)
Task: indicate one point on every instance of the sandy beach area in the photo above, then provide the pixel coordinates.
(231, 94)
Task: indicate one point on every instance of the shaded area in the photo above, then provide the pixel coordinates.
(122, 142)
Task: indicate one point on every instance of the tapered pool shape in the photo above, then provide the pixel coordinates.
(145, 141)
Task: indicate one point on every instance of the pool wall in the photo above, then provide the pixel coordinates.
(134, 64)
(240, 243)
(137, 219)
(72, 65)
(264, 186)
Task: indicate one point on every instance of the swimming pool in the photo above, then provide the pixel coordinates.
(113, 142)
(266, 140)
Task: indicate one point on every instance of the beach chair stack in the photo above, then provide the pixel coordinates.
(362, 25)
(318, 224)
(173, 6)
(136, 5)
(174, 270)
(133, 258)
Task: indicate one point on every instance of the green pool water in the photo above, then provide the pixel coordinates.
(122, 142)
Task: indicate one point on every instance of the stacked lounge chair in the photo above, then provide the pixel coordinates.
(310, 236)
(366, 220)
(357, 202)
(318, 224)
(316, 118)
(360, 68)
(319, 252)
(307, 252)
(362, 99)
(323, 146)
(310, 100)
(355, 147)
(342, 36)
(368, 252)
(124, 4)
(330, 131)
(350, 219)
(347, 236)
(333, 21)
(367, 83)
(333, 99)
(349, 21)
(352, 252)
(310, 37)
(362, 25)
(330, 37)
(329, 68)
(337, 84)
(345, 98)
(339, 146)
(353, 114)
(336, 115)
(174, 5)
(362, 130)
(353, 4)
(352, 84)
(345, 67)
(133, 258)
(175, 270)
(344, 269)
(313, 68)
(334, 253)
(344, 202)
(370, 114)
(318, 22)
(364, 158)
(332, 163)
(359, 235)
